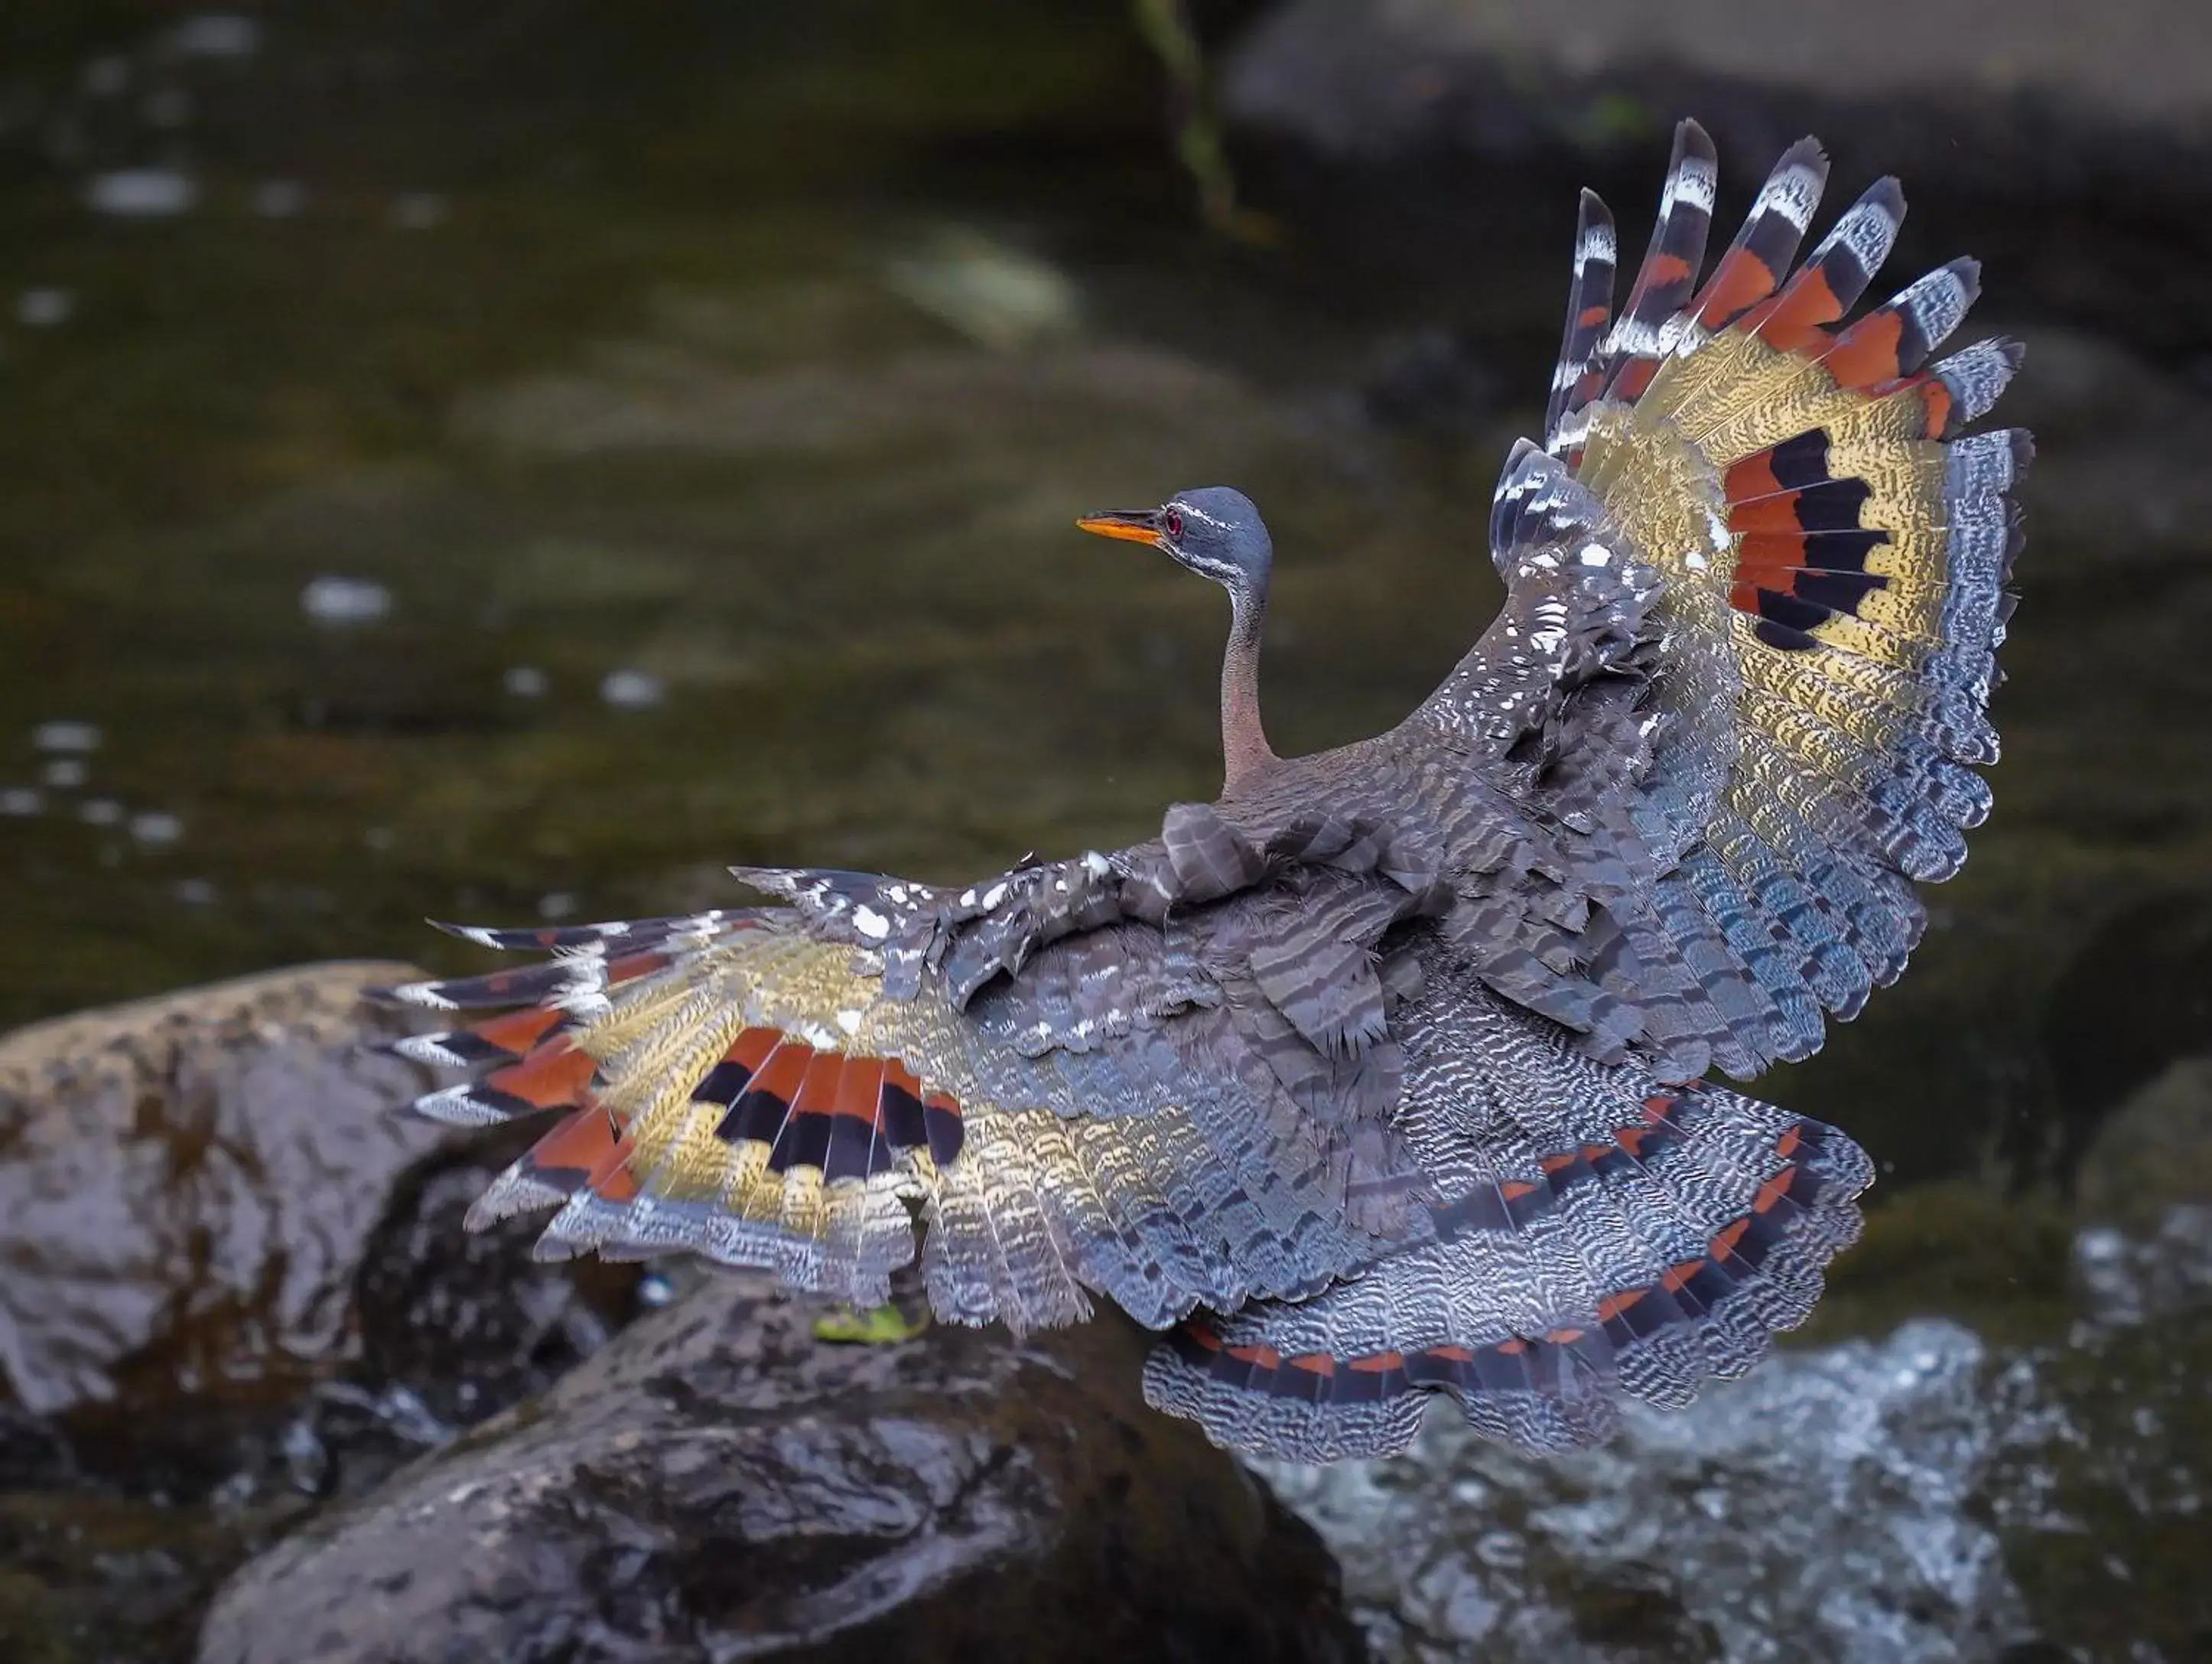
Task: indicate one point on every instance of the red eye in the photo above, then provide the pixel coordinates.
(1174, 522)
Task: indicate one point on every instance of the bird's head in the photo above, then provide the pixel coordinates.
(1212, 530)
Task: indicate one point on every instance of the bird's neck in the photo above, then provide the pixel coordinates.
(1245, 753)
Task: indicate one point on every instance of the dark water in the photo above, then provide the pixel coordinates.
(556, 454)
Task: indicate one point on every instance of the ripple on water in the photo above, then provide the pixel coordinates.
(336, 601)
(142, 193)
(44, 309)
(66, 736)
(632, 690)
(279, 198)
(216, 34)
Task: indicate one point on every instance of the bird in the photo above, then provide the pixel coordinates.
(1394, 1071)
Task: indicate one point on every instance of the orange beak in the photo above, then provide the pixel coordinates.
(1130, 525)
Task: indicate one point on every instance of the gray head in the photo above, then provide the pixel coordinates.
(1213, 530)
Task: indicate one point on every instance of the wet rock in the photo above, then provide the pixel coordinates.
(2136, 998)
(996, 295)
(453, 1327)
(31, 1451)
(2018, 102)
(91, 1578)
(238, 1285)
(187, 1186)
(234, 1265)
(2155, 1151)
(719, 1485)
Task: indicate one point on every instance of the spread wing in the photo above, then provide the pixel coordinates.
(1279, 1062)
(1168, 1075)
(1711, 839)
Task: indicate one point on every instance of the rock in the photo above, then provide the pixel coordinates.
(2134, 997)
(244, 1287)
(91, 1578)
(2136, 60)
(238, 1285)
(719, 1485)
(452, 1326)
(2158, 1142)
(2150, 1167)
(2017, 102)
(187, 1186)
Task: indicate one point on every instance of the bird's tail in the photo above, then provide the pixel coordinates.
(1604, 1236)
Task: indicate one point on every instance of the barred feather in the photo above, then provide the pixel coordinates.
(1608, 1235)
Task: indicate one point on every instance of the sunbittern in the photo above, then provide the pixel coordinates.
(1382, 1074)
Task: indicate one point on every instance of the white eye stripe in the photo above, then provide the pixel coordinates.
(1221, 571)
